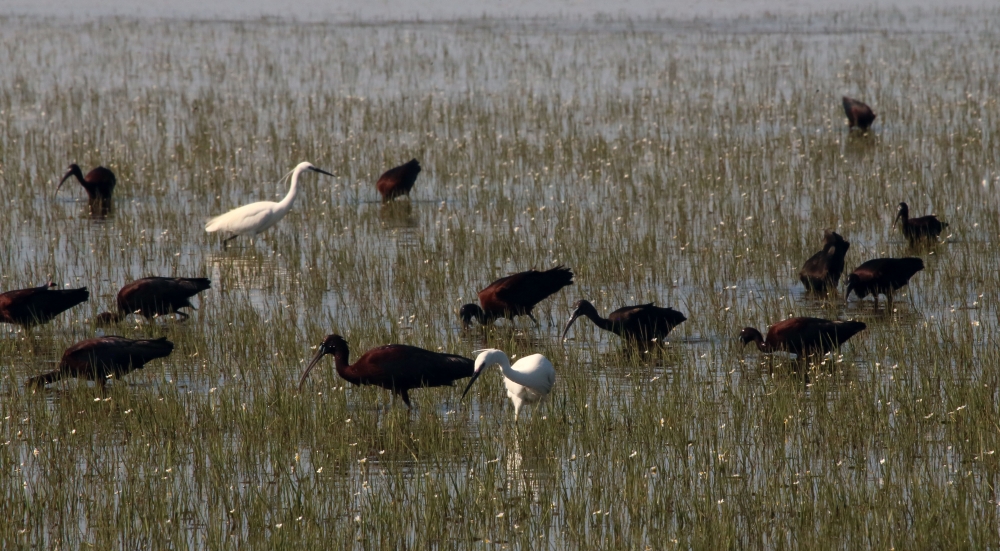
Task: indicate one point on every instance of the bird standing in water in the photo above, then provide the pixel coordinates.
(528, 381)
(260, 216)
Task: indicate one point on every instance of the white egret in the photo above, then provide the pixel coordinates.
(257, 217)
(528, 381)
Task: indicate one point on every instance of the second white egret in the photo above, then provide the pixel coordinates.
(257, 217)
(528, 381)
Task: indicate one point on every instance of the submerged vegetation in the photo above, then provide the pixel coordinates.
(691, 164)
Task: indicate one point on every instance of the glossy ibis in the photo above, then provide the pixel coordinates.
(99, 182)
(398, 180)
(639, 323)
(822, 271)
(528, 381)
(858, 114)
(882, 276)
(104, 357)
(915, 229)
(155, 296)
(38, 305)
(803, 336)
(516, 295)
(396, 367)
(257, 217)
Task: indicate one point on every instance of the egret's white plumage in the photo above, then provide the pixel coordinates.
(528, 381)
(260, 216)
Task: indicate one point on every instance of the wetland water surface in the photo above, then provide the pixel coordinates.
(691, 164)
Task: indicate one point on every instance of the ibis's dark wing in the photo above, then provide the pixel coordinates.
(400, 366)
(160, 295)
(646, 320)
(106, 355)
(888, 273)
(39, 304)
(522, 291)
(804, 335)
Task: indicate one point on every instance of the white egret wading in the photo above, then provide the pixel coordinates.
(257, 217)
(528, 381)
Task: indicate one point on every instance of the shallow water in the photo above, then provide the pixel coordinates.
(691, 163)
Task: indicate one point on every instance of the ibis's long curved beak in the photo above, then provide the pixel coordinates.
(320, 170)
(847, 295)
(571, 320)
(896, 219)
(63, 181)
(472, 380)
(319, 356)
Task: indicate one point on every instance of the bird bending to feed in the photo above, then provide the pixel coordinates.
(104, 357)
(398, 180)
(915, 229)
(99, 182)
(640, 323)
(528, 381)
(803, 336)
(516, 295)
(822, 271)
(858, 114)
(882, 276)
(257, 217)
(155, 296)
(38, 305)
(396, 367)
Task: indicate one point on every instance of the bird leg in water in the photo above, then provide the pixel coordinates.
(532, 319)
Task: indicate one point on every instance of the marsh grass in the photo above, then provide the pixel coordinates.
(695, 166)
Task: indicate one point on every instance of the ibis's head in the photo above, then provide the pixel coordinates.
(73, 170)
(903, 214)
(331, 345)
(106, 318)
(749, 335)
(486, 358)
(470, 311)
(581, 308)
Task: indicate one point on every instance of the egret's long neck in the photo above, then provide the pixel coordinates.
(293, 190)
(514, 375)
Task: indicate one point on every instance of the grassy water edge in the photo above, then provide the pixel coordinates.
(693, 165)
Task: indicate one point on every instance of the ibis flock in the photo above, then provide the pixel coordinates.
(401, 368)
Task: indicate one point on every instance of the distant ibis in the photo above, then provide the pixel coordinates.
(155, 296)
(882, 276)
(516, 295)
(396, 367)
(398, 180)
(104, 357)
(639, 323)
(803, 336)
(822, 271)
(99, 182)
(260, 216)
(38, 305)
(916, 229)
(858, 114)
(528, 381)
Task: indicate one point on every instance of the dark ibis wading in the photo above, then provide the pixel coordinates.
(99, 182)
(396, 367)
(858, 113)
(639, 323)
(821, 273)
(516, 295)
(38, 305)
(882, 276)
(155, 296)
(803, 336)
(104, 357)
(398, 180)
(917, 229)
